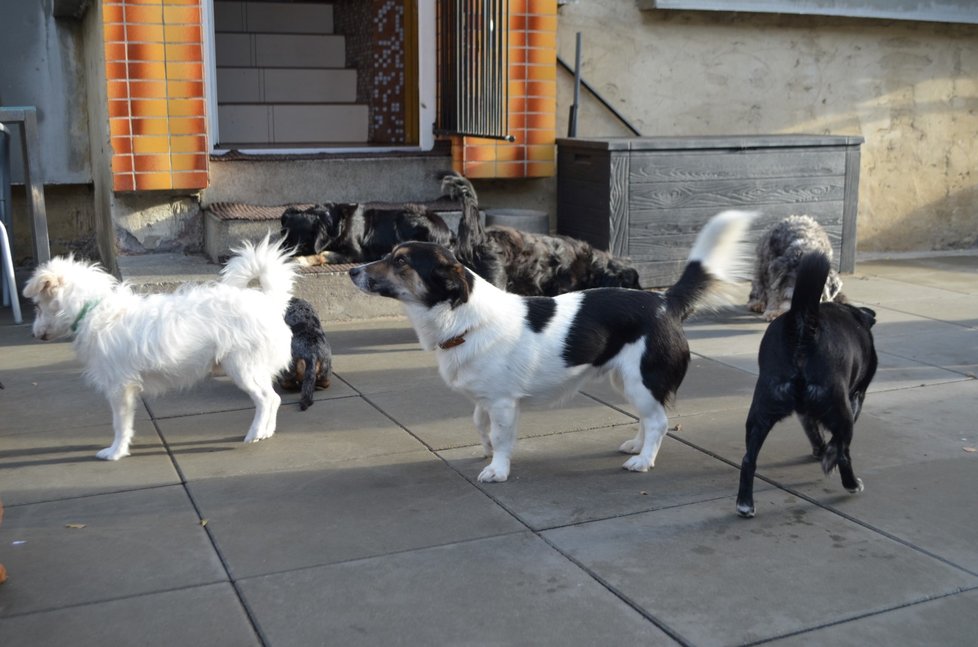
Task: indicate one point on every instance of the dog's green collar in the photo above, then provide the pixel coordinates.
(84, 311)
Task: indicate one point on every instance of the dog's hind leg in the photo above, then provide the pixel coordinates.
(259, 389)
(123, 403)
(651, 429)
(840, 424)
(765, 411)
(504, 417)
(814, 433)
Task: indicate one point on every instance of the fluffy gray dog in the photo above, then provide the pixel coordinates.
(779, 251)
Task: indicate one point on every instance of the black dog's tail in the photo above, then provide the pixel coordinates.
(813, 270)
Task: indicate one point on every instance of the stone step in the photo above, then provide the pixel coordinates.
(280, 50)
(243, 124)
(285, 85)
(274, 17)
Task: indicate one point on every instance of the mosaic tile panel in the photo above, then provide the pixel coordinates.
(154, 73)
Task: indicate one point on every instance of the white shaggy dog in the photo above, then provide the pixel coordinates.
(500, 349)
(132, 344)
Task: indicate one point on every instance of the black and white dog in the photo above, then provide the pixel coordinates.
(312, 358)
(354, 233)
(816, 360)
(500, 349)
(779, 252)
(531, 264)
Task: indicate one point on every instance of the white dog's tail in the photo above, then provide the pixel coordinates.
(264, 262)
(720, 257)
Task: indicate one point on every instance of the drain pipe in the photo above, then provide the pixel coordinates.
(572, 120)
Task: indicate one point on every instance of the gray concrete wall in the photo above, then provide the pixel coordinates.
(43, 66)
(909, 88)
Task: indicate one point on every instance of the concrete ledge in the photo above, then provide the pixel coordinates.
(329, 291)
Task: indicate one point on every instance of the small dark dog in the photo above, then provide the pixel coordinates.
(779, 251)
(816, 360)
(531, 264)
(354, 233)
(312, 359)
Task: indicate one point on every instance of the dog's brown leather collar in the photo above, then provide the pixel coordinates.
(453, 342)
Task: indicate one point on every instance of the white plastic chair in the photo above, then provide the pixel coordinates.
(10, 295)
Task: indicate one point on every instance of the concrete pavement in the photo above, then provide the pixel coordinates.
(361, 522)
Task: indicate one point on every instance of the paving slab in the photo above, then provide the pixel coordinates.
(60, 463)
(52, 396)
(708, 386)
(219, 393)
(131, 543)
(442, 418)
(716, 579)
(508, 590)
(935, 622)
(578, 477)
(331, 431)
(205, 615)
(267, 523)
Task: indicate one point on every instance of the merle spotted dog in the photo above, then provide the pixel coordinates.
(531, 264)
(779, 251)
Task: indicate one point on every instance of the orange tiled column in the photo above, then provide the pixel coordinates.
(155, 74)
(532, 101)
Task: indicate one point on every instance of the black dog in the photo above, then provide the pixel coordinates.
(531, 264)
(354, 233)
(312, 359)
(816, 360)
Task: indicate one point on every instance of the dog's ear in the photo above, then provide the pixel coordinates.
(867, 316)
(44, 283)
(287, 215)
(453, 284)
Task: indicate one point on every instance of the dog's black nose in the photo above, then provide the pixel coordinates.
(356, 271)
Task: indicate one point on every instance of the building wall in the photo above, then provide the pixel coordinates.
(909, 88)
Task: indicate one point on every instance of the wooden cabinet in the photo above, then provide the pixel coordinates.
(647, 198)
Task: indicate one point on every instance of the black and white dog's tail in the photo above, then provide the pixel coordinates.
(720, 258)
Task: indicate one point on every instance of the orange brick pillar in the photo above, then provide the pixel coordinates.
(155, 75)
(532, 101)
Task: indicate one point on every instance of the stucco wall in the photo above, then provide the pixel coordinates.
(909, 88)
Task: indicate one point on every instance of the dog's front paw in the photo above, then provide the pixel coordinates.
(632, 446)
(637, 464)
(859, 487)
(493, 474)
(112, 453)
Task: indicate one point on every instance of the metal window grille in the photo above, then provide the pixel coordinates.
(473, 62)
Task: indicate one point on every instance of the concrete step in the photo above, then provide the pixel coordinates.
(285, 85)
(280, 50)
(274, 17)
(328, 289)
(248, 123)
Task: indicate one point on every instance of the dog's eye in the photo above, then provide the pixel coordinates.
(400, 261)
